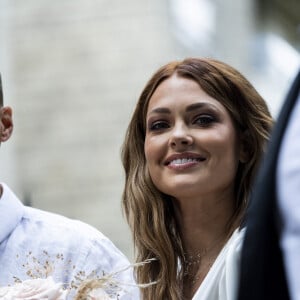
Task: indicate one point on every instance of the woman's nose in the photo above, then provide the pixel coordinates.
(180, 136)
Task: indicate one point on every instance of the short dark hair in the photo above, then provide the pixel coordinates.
(1, 92)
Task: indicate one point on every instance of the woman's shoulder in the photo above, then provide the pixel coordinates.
(221, 281)
(229, 278)
(236, 240)
(233, 253)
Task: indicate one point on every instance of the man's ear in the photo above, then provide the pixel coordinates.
(244, 154)
(6, 123)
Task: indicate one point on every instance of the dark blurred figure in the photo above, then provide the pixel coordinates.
(271, 251)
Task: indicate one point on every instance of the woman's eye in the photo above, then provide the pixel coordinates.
(204, 120)
(159, 125)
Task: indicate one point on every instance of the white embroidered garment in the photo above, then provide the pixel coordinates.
(35, 243)
(221, 281)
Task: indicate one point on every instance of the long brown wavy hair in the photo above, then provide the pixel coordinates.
(149, 212)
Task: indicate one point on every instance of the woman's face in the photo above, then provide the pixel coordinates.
(191, 145)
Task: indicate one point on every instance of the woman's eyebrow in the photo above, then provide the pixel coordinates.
(192, 107)
(198, 105)
(160, 110)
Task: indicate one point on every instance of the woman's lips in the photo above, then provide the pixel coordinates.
(184, 161)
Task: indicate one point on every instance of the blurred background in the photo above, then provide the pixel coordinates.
(73, 69)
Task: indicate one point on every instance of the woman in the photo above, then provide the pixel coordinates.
(190, 154)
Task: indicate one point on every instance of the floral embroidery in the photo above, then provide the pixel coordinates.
(41, 284)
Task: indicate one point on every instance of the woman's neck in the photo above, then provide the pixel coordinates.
(204, 229)
(203, 221)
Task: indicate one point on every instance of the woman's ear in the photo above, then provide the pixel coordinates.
(244, 154)
(6, 123)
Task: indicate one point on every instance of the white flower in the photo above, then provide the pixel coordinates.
(34, 289)
(4, 293)
(98, 294)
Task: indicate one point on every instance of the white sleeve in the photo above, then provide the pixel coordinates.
(288, 190)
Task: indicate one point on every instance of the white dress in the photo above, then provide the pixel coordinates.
(221, 281)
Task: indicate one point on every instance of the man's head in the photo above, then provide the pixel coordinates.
(1, 93)
(6, 123)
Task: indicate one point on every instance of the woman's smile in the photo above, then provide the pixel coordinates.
(184, 161)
